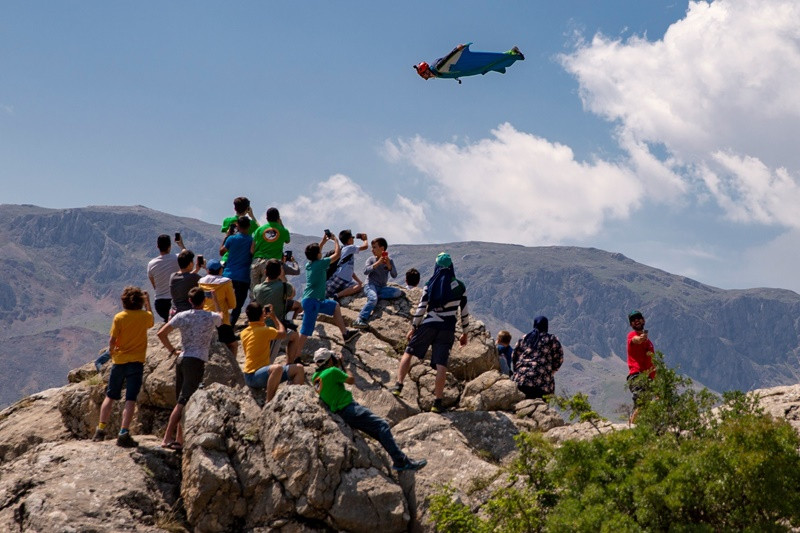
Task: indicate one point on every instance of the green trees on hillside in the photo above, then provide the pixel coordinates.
(684, 466)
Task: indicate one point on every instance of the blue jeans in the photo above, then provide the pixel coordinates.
(258, 379)
(374, 292)
(359, 417)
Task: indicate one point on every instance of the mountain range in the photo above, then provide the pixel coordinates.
(63, 271)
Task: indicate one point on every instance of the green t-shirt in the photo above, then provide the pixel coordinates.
(316, 278)
(329, 384)
(269, 240)
(227, 223)
(273, 293)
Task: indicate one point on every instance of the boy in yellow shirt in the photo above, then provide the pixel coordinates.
(256, 341)
(127, 344)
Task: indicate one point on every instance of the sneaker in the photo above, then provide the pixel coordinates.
(437, 407)
(410, 464)
(397, 389)
(126, 441)
(350, 334)
(360, 324)
(99, 435)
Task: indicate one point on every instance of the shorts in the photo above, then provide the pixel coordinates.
(335, 285)
(225, 334)
(131, 374)
(311, 308)
(163, 305)
(188, 377)
(637, 387)
(441, 341)
(258, 379)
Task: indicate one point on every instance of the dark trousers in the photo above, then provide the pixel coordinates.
(240, 290)
(359, 417)
(162, 308)
(531, 393)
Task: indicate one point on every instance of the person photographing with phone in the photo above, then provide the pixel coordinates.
(640, 359)
(378, 269)
(181, 282)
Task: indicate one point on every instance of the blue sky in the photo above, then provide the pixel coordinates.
(662, 130)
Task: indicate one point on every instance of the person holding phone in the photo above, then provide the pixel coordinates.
(378, 269)
(159, 270)
(640, 359)
(181, 282)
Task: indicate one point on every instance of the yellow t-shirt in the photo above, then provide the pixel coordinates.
(225, 297)
(129, 328)
(256, 341)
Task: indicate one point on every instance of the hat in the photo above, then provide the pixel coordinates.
(635, 314)
(443, 260)
(214, 265)
(322, 355)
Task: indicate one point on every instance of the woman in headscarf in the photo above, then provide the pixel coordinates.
(537, 356)
(433, 324)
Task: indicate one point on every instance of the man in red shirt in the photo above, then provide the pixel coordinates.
(640, 358)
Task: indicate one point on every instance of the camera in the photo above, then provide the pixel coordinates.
(268, 308)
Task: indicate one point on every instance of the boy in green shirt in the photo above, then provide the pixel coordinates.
(241, 205)
(314, 301)
(329, 380)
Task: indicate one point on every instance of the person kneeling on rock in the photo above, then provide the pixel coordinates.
(329, 380)
(256, 340)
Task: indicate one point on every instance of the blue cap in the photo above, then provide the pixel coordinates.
(214, 265)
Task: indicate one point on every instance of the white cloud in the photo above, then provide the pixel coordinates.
(339, 203)
(520, 188)
(718, 91)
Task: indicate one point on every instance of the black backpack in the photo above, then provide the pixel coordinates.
(334, 266)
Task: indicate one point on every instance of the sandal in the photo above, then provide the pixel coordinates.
(174, 445)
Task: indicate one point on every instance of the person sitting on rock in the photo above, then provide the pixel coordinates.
(314, 301)
(256, 340)
(197, 328)
(504, 351)
(412, 278)
(278, 295)
(433, 324)
(127, 344)
(329, 380)
(536, 358)
(378, 269)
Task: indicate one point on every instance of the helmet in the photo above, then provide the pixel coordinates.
(424, 70)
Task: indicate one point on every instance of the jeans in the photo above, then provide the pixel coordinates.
(258, 379)
(240, 290)
(373, 293)
(359, 417)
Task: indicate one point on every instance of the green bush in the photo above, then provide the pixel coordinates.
(684, 466)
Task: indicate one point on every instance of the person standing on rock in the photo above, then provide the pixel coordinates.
(127, 344)
(236, 249)
(197, 329)
(433, 324)
(640, 359)
(268, 241)
(159, 270)
(182, 281)
(329, 380)
(536, 358)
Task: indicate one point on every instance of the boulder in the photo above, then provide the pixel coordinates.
(581, 431)
(538, 416)
(292, 461)
(782, 403)
(87, 486)
(491, 391)
(31, 421)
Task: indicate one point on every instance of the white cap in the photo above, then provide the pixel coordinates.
(322, 355)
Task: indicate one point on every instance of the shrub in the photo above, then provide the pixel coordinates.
(684, 466)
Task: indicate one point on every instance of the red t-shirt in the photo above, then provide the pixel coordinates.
(638, 360)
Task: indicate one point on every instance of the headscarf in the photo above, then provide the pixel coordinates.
(540, 325)
(439, 287)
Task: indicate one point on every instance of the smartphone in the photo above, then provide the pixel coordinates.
(328, 234)
(362, 236)
(200, 260)
(268, 308)
(287, 256)
(385, 254)
(177, 236)
(644, 331)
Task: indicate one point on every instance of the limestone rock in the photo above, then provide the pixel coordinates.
(581, 431)
(491, 391)
(87, 486)
(292, 461)
(538, 415)
(31, 421)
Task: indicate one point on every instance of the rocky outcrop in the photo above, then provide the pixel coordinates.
(287, 465)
